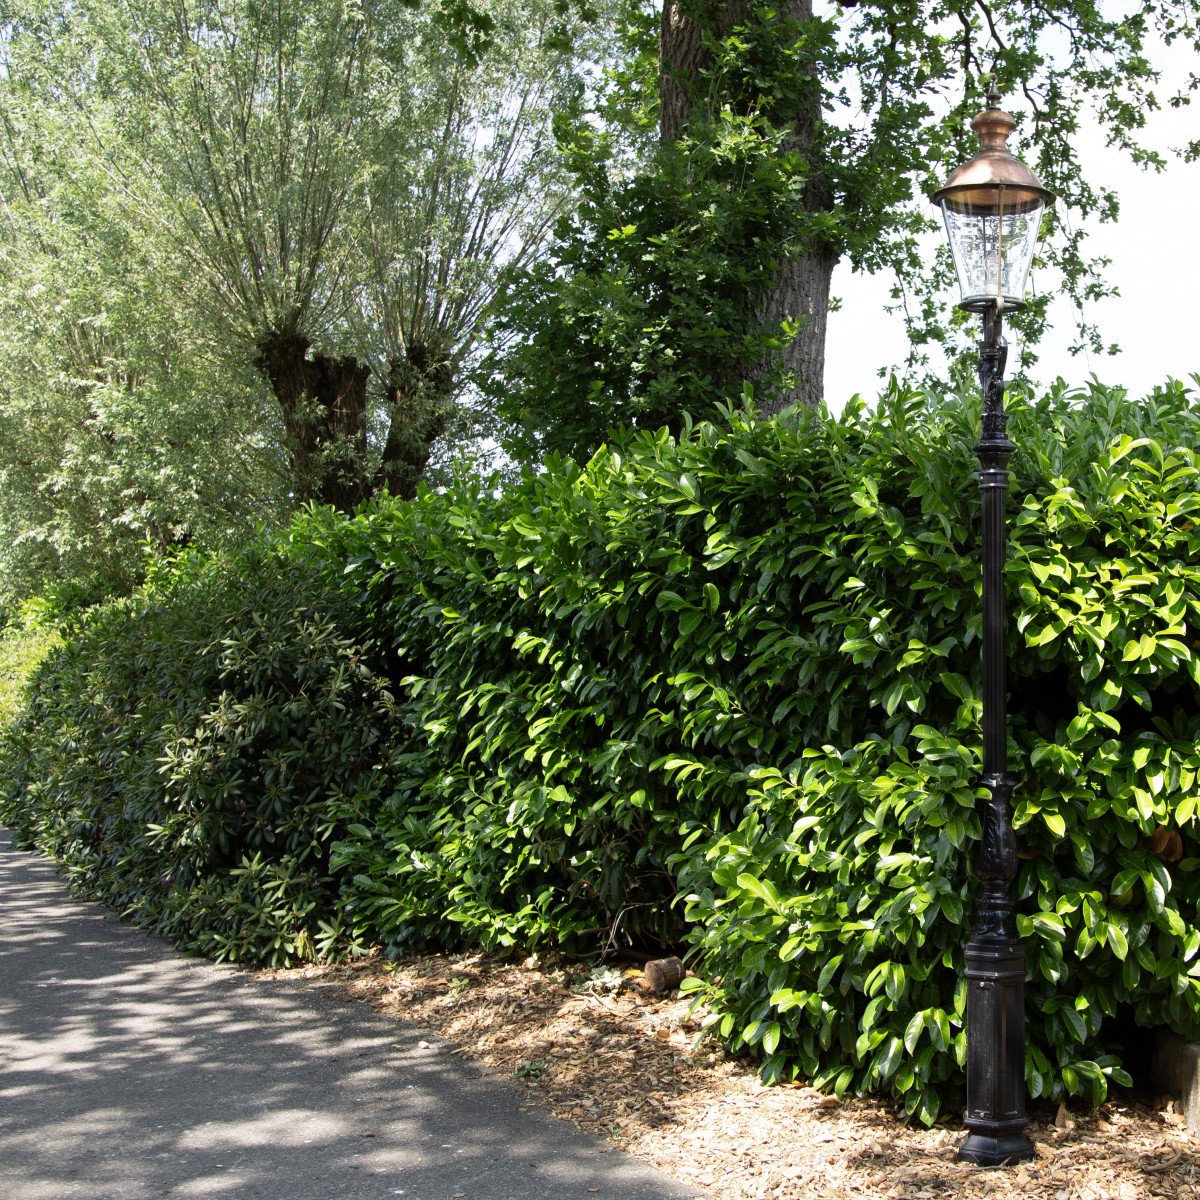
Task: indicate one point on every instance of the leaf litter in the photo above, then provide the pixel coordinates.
(597, 1049)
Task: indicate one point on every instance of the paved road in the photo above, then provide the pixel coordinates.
(130, 1072)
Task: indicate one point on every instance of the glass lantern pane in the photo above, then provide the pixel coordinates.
(992, 248)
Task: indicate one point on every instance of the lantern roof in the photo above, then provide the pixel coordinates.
(977, 182)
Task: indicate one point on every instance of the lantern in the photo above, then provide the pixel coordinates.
(993, 209)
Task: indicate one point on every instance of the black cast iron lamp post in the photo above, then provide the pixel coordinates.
(993, 208)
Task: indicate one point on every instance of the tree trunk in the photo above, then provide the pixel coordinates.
(324, 405)
(682, 58)
(663, 974)
(418, 391)
(801, 293)
(800, 290)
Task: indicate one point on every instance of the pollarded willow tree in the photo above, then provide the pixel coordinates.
(122, 426)
(340, 182)
(750, 147)
(439, 220)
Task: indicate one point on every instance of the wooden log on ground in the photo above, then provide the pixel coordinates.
(663, 974)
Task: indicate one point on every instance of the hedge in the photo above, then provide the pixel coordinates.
(723, 690)
(191, 753)
(742, 669)
(30, 634)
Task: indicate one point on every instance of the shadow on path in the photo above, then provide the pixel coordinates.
(130, 1071)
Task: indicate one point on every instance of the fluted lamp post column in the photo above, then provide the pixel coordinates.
(993, 208)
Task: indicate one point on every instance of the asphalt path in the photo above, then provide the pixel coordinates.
(129, 1071)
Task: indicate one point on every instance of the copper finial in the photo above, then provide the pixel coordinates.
(993, 127)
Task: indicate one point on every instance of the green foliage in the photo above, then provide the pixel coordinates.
(806, 138)
(518, 816)
(124, 423)
(721, 690)
(743, 666)
(24, 642)
(190, 754)
(643, 307)
(220, 220)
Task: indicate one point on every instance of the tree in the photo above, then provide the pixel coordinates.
(121, 426)
(351, 186)
(799, 289)
(791, 137)
(338, 186)
(442, 220)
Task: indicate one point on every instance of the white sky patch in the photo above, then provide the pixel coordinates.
(1155, 253)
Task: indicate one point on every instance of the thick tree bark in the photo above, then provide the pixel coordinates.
(324, 405)
(418, 390)
(800, 290)
(683, 57)
(663, 974)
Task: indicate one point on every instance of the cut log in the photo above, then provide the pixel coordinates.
(663, 974)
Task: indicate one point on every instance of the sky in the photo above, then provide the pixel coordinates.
(1155, 252)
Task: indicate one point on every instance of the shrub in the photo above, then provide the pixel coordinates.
(721, 689)
(191, 752)
(743, 666)
(24, 642)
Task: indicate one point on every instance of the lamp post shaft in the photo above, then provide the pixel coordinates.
(993, 450)
(995, 956)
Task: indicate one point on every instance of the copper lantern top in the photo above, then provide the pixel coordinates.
(994, 172)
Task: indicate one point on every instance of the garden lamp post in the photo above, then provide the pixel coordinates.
(993, 208)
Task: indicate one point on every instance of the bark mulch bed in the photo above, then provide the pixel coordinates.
(595, 1048)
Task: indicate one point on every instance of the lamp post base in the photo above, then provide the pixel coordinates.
(986, 1151)
(995, 1017)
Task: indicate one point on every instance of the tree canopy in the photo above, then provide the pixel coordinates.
(274, 233)
(748, 148)
(251, 257)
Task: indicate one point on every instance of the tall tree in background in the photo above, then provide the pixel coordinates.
(438, 222)
(791, 137)
(321, 195)
(798, 293)
(349, 184)
(122, 425)
(239, 138)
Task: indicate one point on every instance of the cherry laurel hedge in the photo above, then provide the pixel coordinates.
(724, 691)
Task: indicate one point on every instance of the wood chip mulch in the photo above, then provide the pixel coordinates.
(592, 1046)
